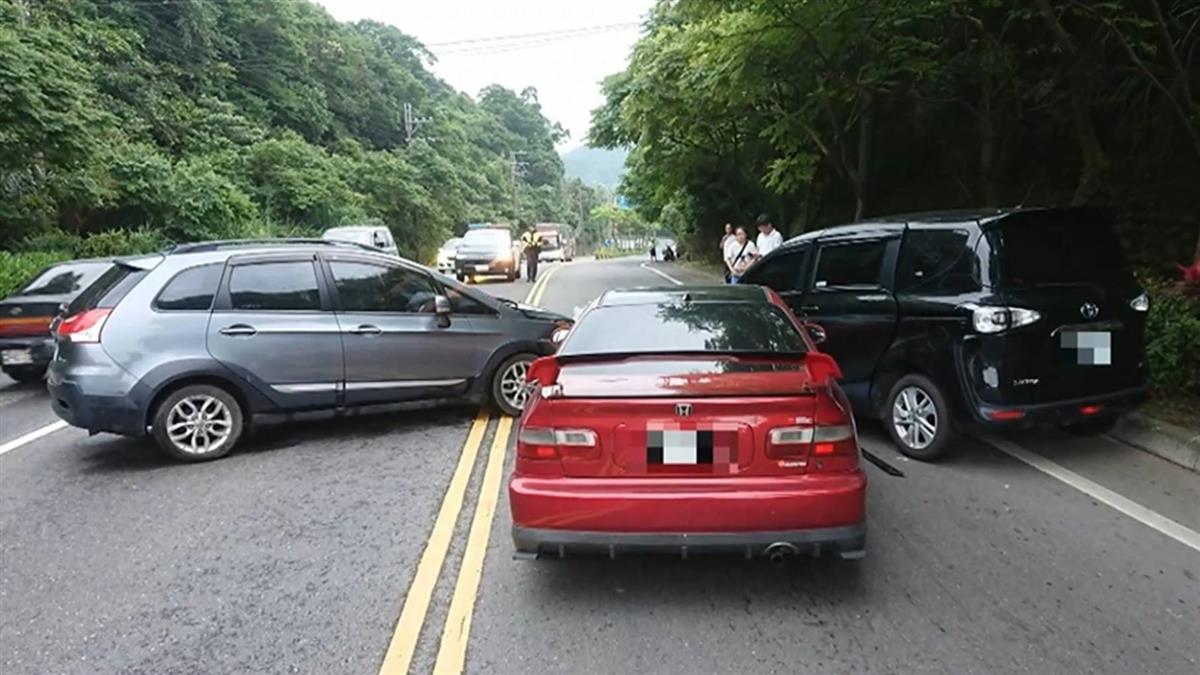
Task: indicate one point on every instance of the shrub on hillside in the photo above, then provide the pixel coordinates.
(17, 269)
(1173, 339)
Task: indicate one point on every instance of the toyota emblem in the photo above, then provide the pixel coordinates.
(1089, 310)
(683, 409)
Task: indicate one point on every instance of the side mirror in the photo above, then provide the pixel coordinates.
(816, 332)
(442, 308)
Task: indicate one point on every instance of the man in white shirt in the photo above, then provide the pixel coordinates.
(769, 238)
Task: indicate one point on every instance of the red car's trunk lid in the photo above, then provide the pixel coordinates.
(705, 416)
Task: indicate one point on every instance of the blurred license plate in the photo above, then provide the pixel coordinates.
(1087, 347)
(481, 268)
(16, 357)
(672, 449)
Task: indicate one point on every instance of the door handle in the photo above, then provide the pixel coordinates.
(239, 329)
(367, 329)
(810, 308)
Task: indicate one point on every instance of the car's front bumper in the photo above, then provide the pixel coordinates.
(470, 267)
(815, 512)
(41, 349)
(1061, 412)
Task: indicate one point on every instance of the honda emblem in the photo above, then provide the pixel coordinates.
(683, 409)
(1089, 310)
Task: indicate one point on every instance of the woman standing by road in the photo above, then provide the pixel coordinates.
(739, 255)
(725, 241)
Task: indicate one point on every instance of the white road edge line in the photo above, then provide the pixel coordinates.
(1177, 531)
(32, 436)
(662, 274)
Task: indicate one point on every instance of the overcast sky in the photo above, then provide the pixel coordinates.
(574, 44)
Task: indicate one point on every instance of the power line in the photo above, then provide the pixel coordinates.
(519, 36)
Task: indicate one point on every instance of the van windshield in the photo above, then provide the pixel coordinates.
(1036, 250)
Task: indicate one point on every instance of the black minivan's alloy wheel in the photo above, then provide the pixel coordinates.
(198, 422)
(917, 418)
(509, 388)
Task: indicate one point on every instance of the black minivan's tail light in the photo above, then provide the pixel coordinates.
(993, 319)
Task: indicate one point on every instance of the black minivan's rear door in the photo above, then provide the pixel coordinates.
(1068, 266)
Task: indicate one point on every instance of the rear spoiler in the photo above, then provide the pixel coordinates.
(545, 369)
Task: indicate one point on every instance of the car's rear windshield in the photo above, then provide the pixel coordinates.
(66, 279)
(108, 289)
(718, 327)
(1037, 250)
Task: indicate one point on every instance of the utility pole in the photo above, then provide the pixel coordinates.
(516, 168)
(412, 123)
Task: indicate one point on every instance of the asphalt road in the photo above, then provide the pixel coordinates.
(298, 553)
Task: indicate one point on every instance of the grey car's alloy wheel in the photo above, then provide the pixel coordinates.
(197, 423)
(510, 391)
(917, 419)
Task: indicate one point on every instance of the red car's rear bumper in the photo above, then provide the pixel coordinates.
(742, 514)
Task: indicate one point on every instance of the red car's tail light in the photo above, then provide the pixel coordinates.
(828, 434)
(546, 443)
(25, 326)
(85, 326)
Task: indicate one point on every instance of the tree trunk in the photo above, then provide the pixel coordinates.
(859, 179)
(1093, 163)
(987, 142)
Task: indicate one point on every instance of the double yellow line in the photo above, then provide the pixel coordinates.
(452, 650)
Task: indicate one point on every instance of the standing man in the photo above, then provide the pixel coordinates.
(531, 246)
(769, 238)
(725, 239)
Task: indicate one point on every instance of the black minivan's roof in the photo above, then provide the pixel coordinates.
(982, 216)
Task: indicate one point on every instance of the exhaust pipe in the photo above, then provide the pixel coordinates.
(780, 551)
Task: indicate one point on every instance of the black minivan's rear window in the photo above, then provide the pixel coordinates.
(719, 327)
(1045, 249)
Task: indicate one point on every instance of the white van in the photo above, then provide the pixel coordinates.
(368, 235)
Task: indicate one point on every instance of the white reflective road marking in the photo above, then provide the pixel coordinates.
(1178, 532)
(662, 274)
(32, 436)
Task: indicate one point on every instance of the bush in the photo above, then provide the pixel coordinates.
(1173, 340)
(100, 245)
(17, 269)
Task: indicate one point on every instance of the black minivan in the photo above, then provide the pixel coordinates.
(998, 318)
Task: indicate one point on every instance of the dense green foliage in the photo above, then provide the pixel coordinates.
(827, 112)
(198, 119)
(1173, 337)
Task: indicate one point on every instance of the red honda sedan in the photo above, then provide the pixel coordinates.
(688, 420)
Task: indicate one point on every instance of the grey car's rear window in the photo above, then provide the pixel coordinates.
(718, 327)
(274, 286)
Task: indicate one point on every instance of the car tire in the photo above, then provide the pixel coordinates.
(505, 380)
(917, 418)
(26, 374)
(1091, 427)
(212, 413)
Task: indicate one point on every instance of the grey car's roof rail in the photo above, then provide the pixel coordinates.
(205, 246)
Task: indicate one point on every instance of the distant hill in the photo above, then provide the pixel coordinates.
(595, 166)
